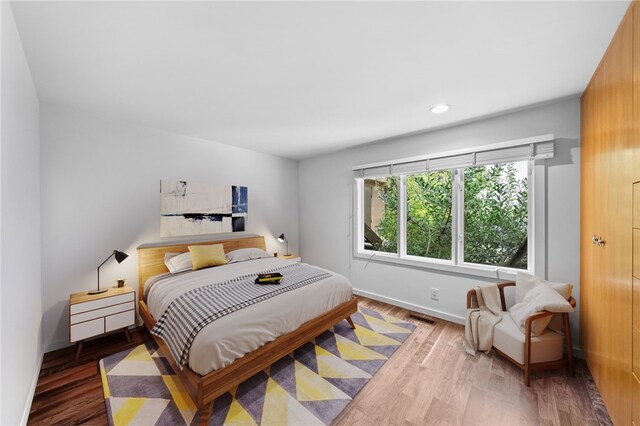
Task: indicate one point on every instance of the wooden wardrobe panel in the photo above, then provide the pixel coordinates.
(635, 123)
(589, 224)
(636, 402)
(636, 252)
(607, 212)
(636, 303)
(595, 159)
(586, 217)
(636, 186)
(635, 365)
(617, 224)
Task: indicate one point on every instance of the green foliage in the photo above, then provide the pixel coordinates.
(429, 214)
(495, 218)
(388, 227)
(495, 215)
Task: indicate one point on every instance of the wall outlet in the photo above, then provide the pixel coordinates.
(435, 294)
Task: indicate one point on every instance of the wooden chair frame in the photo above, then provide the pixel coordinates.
(528, 367)
(205, 389)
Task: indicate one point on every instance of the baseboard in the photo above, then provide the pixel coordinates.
(417, 308)
(32, 390)
(577, 353)
(57, 345)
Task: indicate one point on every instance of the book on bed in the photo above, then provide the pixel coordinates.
(272, 278)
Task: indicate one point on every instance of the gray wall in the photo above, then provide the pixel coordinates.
(21, 308)
(100, 192)
(326, 185)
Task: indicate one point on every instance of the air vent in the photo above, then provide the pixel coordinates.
(422, 318)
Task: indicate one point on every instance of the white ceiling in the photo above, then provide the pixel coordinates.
(298, 79)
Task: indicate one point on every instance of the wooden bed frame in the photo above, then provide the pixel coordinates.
(205, 389)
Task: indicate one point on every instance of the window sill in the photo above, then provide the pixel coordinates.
(484, 271)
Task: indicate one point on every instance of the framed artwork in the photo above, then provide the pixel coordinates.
(194, 208)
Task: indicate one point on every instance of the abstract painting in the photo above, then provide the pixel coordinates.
(193, 208)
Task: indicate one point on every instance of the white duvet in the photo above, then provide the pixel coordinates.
(231, 337)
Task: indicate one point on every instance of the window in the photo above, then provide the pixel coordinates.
(380, 225)
(429, 214)
(469, 210)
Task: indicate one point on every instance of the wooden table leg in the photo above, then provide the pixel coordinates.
(350, 321)
(126, 333)
(78, 349)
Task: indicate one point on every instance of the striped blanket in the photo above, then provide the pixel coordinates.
(192, 311)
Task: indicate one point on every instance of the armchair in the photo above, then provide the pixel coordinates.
(528, 352)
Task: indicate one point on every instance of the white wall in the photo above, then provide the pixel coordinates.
(21, 302)
(326, 185)
(101, 191)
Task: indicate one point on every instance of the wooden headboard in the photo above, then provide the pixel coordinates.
(151, 257)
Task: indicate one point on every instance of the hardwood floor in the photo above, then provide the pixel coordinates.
(69, 392)
(429, 380)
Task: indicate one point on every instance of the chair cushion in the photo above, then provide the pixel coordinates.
(508, 339)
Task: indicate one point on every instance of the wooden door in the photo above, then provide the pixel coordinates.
(607, 112)
(590, 259)
(635, 380)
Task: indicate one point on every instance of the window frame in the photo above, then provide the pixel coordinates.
(536, 228)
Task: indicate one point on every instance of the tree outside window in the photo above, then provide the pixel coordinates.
(429, 214)
(496, 215)
(381, 214)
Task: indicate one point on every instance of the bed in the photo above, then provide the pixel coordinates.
(237, 346)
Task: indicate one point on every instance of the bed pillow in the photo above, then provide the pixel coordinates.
(241, 255)
(178, 262)
(207, 256)
(168, 256)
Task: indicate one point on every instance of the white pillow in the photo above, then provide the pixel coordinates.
(526, 282)
(241, 255)
(168, 256)
(538, 299)
(178, 262)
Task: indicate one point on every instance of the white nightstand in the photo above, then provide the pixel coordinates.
(95, 314)
(292, 257)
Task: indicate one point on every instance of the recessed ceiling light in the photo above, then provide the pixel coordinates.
(440, 108)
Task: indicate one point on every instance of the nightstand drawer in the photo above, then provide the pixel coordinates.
(101, 303)
(87, 329)
(99, 313)
(121, 320)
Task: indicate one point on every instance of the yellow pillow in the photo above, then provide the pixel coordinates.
(206, 256)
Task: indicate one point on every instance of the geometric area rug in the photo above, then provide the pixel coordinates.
(309, 386)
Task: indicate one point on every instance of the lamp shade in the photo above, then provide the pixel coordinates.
(120, 255)
(283, 239)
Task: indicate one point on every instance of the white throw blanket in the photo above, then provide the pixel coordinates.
(480, 321)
